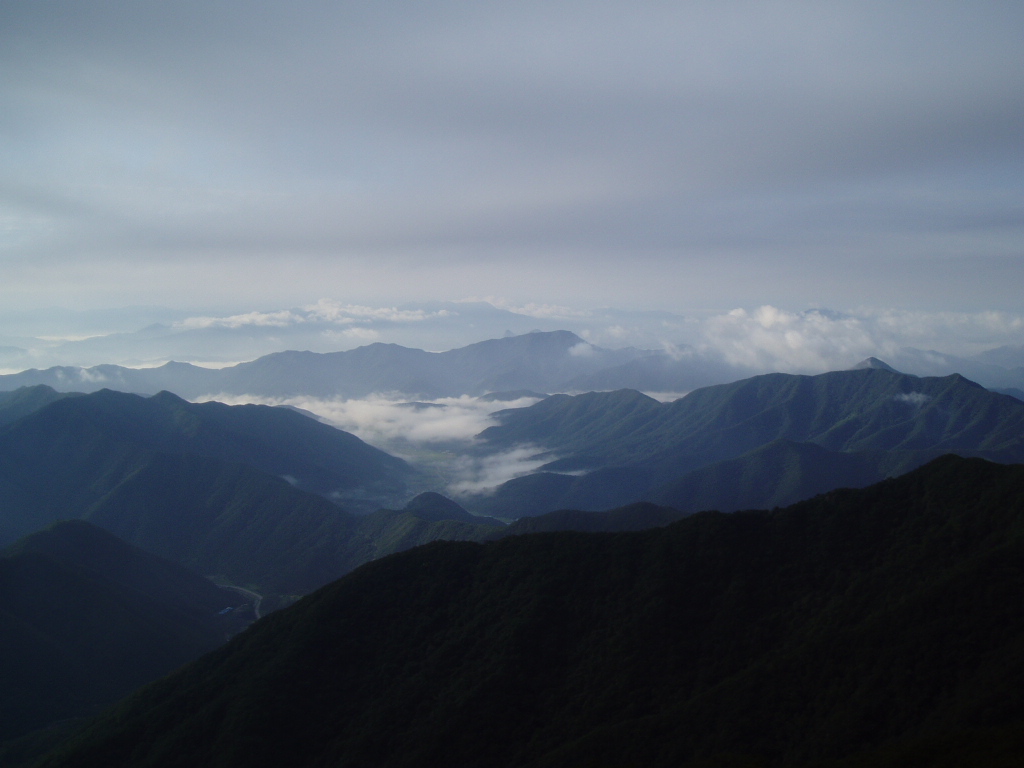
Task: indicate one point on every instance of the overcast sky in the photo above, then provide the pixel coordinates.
(675, 155)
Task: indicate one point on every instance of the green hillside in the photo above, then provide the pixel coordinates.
(873, 627)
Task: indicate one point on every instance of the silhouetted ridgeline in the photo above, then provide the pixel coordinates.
(874, 627)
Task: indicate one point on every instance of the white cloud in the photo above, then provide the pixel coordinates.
(539, 311)
(91, 377)
(383, 420)
(916, 399)
(324, 311)
(361, 333)
(583, 349)
(329, 311)
(404, 428)
(280, 319)
(666, 397)
(952, 332)
(676, 352)
(480, 475)
(773, 339)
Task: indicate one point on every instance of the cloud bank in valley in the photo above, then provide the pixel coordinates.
(440, 427)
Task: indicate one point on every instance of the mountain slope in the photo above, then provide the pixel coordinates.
(634, 517)
(860, 625)
(215, 488)
(63, 458)
(86, 618)
(867, 409)
(26, 400)
(711, 448)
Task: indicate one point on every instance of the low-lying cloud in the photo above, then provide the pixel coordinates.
(817, 340)
(445, 428)
(773, 339)
(482, 474)
(324, 311)
(381, 419)
(916, 399)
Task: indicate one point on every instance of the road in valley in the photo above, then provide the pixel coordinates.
(252, 596)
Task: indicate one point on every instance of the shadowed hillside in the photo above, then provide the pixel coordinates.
(86, 618)
(874, 627)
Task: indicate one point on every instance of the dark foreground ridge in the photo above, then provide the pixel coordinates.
(85, 619)
(876, 627)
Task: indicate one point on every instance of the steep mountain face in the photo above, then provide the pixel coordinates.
(758, 442)
(86, 618)
(877, 627)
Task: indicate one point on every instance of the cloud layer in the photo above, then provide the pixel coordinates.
(435, 435)
(772, 339)
(675, 155)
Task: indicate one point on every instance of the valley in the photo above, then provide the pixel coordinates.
(273, 499)
(511, 385)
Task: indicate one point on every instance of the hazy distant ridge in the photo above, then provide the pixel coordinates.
(555, 361)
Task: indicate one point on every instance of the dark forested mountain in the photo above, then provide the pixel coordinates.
(759, 442)
(633, 517)
(86, 618)
(26, 400)
(877, 627)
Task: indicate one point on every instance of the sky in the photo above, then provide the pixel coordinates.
(223, 156)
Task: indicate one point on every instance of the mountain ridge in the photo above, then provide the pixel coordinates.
(611, 448)
(87, 618)
(863, 627)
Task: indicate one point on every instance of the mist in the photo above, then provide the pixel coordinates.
(436, 436)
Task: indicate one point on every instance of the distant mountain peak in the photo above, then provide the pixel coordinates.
(874, 362)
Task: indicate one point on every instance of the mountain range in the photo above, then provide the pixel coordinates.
(761, 442)
(72, 453)
(249, 493)
(548, 361)
(876, 627)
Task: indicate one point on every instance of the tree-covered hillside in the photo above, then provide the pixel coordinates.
(216, 488)
(866, 627)
(760, 442)
(86, 619)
